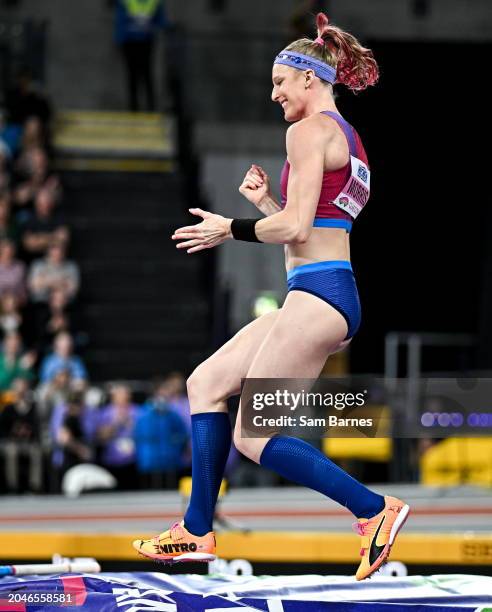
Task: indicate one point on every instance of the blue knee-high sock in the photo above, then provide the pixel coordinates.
(300, 462)
(210, 445)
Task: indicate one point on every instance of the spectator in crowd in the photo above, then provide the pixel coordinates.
(18, 420)
(137, 23)
(11, 319)
(115, 436)
(71, 432)
(29, 193)
(10, 140)
(51, 273)
(52, 318)
(32, 175)
(161, 435)
(23, 101)
(171, 390)
(8, 226)
(62, 358)
(46, 226)
(55, 393)
(13, 363)
(5, 155)
(33, 136)
(12, 273)
(19, 426)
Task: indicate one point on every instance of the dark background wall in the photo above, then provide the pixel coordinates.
(420, 248)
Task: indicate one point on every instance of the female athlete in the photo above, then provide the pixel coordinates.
(325, 184)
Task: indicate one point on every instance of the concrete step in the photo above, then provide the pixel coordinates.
(114, 134)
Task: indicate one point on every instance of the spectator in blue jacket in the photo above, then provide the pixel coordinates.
(137, 23)
(62, 358)
(161, 436)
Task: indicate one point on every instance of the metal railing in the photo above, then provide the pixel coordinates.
(404, 465)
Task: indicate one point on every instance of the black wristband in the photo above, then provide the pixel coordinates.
(244, 229)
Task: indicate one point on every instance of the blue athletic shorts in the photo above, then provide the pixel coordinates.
(334, 283)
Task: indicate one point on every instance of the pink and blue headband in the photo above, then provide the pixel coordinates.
(305, 62)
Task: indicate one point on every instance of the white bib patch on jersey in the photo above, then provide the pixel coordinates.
(355, 194)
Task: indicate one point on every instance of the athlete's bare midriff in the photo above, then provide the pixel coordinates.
(324, 244)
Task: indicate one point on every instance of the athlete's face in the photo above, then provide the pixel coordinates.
(289, 90)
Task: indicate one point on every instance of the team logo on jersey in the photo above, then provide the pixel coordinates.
(344, 201)
(362, 173)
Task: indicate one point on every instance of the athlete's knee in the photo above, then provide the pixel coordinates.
(243, 445)
(199, 386)
(205, 389)
(249, 447)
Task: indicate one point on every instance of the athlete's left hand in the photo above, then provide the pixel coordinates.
(212, 231)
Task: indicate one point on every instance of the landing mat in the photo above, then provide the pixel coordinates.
(215, 593)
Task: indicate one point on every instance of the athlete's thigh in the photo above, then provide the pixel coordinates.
(305, 328)
(229, 364)
(302, 337)
(304, 334)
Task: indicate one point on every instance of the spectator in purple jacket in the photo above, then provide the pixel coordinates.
(115, 436)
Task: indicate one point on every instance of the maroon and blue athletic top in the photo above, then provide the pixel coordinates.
(345, 191)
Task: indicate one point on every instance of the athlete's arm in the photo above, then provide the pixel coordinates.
(293, 224)
(269, 206)
(305, 151)
(256, 188)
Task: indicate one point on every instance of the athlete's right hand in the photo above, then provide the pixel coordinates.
(255, 185)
